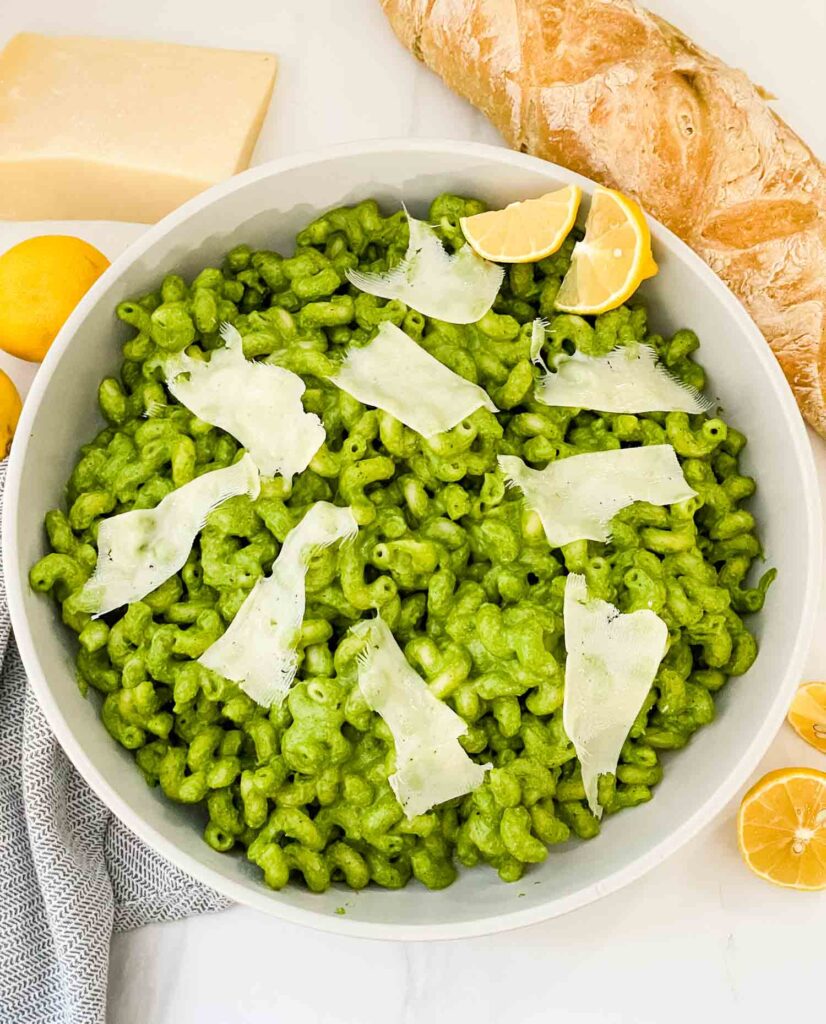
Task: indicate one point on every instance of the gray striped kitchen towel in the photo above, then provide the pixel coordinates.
(70, 873)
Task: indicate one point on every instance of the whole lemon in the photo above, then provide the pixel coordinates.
(41, 282)
(10, 406)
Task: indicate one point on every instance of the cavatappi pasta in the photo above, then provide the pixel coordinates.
(459, 570)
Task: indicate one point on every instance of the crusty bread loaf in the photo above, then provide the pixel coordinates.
(609, 89)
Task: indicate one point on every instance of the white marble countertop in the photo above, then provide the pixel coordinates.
(698, 935)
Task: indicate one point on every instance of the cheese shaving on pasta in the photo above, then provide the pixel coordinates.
(612, 660)
(458, 288)
(139, 550)
(259, 650)
(431, 764)
(538, 329)
(395, 374)
(629, 379)
(576, 498)
(259, 404)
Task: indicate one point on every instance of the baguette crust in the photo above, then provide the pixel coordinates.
(612, 91)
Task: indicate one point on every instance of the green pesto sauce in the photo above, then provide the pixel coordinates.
(474, 597)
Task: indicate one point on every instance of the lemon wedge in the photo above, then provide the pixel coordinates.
(613, 258)
(524, 232)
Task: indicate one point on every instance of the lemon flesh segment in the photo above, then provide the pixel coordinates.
(613, 258)
(524, 232)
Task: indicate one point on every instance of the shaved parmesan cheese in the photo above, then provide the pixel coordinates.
(257, 403)
(538, 328)
(611, 663)
(395, 374)
(140, 549)
(431, 765)
(458, 288)
(259, 650)
(629, 379)
(576, 498)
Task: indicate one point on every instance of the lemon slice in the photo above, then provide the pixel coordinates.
(524, 232)
(781, 828)
(613, 258)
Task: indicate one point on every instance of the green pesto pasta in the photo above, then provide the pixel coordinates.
(461, 573)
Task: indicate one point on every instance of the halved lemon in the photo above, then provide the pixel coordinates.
(524, 232)
(613, 258)
(781, 828)
(807, 715)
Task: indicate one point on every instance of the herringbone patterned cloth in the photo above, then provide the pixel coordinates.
(70, 873)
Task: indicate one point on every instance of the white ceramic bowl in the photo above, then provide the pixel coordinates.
(266, 207)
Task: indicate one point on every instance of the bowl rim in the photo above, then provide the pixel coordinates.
(266, 900)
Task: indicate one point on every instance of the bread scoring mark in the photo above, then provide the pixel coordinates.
(754, 223)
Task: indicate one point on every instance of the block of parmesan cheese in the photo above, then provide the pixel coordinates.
(109, 129)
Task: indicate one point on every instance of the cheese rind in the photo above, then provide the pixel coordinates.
(113, 129)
